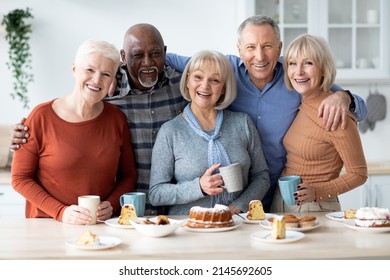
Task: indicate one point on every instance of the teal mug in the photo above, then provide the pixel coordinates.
(288, 185)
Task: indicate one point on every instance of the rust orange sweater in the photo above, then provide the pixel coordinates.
(64, 160)
(318, 155)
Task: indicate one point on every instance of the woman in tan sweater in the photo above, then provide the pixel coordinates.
(313, 153)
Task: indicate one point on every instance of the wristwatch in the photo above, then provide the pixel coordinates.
(352, 106)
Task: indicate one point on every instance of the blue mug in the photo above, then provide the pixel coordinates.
(288, 185)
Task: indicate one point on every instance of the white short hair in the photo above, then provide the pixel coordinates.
(104, 48)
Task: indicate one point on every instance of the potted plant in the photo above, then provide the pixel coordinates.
(18, 31)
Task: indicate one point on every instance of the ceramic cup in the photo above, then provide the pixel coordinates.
(232, 177)
(91, 202)
(288, 185)
(138, 199)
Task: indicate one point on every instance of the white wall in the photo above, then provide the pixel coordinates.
(375, 142)
(59, 26)
(187, 26)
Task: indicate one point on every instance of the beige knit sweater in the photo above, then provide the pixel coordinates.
(318, 155)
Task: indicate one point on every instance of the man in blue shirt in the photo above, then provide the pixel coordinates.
(262, 94)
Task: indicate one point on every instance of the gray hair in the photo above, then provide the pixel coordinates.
(224, 69)
(258, 20)
(104, 48)
(316, 48)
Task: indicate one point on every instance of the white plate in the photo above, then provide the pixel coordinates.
(336, 216)
(113, 222)
(351, 224)
(247, 221)
(105, 242)
(237, 223)
(265, 236)
(265, 224)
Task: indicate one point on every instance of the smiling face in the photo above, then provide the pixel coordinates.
(144, 55)
(93, 75)
(259, 49)
(305, 75)
(205, 87)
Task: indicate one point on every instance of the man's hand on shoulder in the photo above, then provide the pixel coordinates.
(18, 135)
(334, 110)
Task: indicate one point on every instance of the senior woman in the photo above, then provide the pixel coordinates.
(79, 145)
(313, 153)
(190, 148)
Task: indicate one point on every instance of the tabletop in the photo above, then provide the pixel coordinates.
(46, 239)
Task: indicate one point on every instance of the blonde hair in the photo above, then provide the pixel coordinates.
(224, 69)
(104, 48)
(317, 49)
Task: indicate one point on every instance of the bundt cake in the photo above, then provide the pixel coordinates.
(217, 217)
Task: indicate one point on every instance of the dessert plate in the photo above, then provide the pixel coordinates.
(265, 224)
(113, 222)
(105, 242)
(265, 236)
(351, 224)
(237, 223)
(247, 221)
(336, 216)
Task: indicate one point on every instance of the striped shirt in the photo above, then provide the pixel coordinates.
(146, 111)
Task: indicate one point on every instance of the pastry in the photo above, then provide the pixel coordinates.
(307, 221)
(350, 214)
(162, 220)
(290, 220)
(278, 228)
(255, 211)
(88, 239)
(128, 213)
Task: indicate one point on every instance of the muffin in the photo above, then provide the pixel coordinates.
(291, 221)
(307, 221)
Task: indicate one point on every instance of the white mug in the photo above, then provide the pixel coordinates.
(91, 202)
(232, 177)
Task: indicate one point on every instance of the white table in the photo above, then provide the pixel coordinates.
(46, 238)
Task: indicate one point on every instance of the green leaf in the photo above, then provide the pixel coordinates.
(19, 55)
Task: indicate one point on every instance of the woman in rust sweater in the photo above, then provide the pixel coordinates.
(78, 145)
(313, 153)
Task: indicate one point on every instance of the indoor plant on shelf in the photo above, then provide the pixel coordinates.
(18, 31)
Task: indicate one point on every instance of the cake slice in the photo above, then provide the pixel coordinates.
(128, 213)
(255, 211)
(88, 239)
(278, 228)
(350, 214)
(372, 217)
